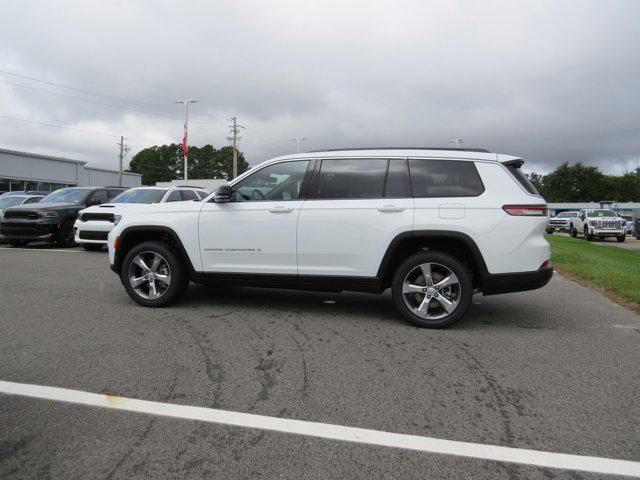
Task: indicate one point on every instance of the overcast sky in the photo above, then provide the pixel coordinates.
(551, 81)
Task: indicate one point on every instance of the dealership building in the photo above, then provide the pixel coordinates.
(32, 171)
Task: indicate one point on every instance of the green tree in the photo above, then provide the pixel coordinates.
(166, 162)
(573, 183)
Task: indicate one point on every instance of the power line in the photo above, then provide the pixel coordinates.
(88, 92)
(91, 132)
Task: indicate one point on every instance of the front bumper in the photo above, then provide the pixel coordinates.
(32, 230)
(495, 283)
(607, 232)
(94, 232)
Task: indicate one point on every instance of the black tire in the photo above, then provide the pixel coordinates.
(588, 236)
(176, 270)
(572, 231)
(442, 262)
(65, 237)
(621, 238)
(550, 231)
(92, 247)
(18, 243)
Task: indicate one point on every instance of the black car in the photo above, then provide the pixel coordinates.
(53, 217)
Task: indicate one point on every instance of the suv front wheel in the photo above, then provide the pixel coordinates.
(153, 274)
(432, 289)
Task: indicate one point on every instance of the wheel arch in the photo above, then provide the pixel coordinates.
(458, 244)
(132, 236)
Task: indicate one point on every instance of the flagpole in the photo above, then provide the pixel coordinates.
(185, 138)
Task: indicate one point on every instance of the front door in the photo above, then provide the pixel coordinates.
(256, 231)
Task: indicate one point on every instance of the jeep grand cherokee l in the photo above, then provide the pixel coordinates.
(434, 225)
(51, 219)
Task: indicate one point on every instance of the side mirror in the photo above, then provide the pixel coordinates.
(223, 194)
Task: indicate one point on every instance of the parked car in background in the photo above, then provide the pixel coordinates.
(628, 224)
(561, 222)
(52, 218)
(432, 225)
(600, 223)
(94, 223)
(24, 192)
(15, 200)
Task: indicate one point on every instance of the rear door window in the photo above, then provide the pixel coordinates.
(351, 179)
(444, 178)
(188, 195)
(174, 196)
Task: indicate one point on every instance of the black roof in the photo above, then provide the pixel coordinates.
(480, 150)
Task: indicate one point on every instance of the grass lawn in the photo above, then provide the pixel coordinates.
(613, 270)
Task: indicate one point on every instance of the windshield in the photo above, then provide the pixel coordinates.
(10, 201)
(566, 215)
(601, 213)
(74, 195)
(140, 196)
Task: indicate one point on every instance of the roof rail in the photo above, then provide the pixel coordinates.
(479, 150)
(114, 186)
(188, 186)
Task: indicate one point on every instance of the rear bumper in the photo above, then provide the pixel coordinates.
(493, 284)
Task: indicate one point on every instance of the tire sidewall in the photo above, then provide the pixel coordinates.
(452, 264)
(61, 239)
(179, 278)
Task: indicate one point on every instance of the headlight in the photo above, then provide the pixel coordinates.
(116, 219)
(46, 214)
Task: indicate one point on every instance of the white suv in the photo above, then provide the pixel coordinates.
(434, 225)
(94, 223)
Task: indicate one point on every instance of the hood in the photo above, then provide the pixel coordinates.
(48, 206)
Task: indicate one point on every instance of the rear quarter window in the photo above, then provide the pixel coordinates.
(444, 178)
(522, 179)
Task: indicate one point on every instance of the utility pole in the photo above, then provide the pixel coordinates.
(235, 129)
(298, 140)
(123, 151)
(457, 141)
(185, 139)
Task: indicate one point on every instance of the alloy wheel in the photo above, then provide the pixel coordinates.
(431, 291)
(149, 275)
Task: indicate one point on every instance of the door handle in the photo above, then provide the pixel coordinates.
(281, 209)
(390, 208)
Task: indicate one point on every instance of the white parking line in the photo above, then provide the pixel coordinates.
(42, 250)
(335, 432)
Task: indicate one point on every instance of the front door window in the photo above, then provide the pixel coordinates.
(279, 182)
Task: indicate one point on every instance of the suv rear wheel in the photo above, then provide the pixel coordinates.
(153, 274)
(432, 289)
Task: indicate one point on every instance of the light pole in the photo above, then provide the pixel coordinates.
(298, 140)
(457, 141)
(185, 148)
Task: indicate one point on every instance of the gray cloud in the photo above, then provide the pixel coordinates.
(551, 81)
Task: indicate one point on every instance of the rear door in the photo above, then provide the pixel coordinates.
(356, 206)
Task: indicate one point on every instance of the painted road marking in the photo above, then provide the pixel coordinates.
(42, 250)
(335, 432)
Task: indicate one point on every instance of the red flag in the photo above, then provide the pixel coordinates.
(185, 149)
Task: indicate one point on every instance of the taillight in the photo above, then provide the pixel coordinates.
(526, 210)
(545, 264)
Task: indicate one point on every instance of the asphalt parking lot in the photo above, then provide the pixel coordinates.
(554, 370)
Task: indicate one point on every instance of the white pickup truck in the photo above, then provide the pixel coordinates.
(600, 223)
